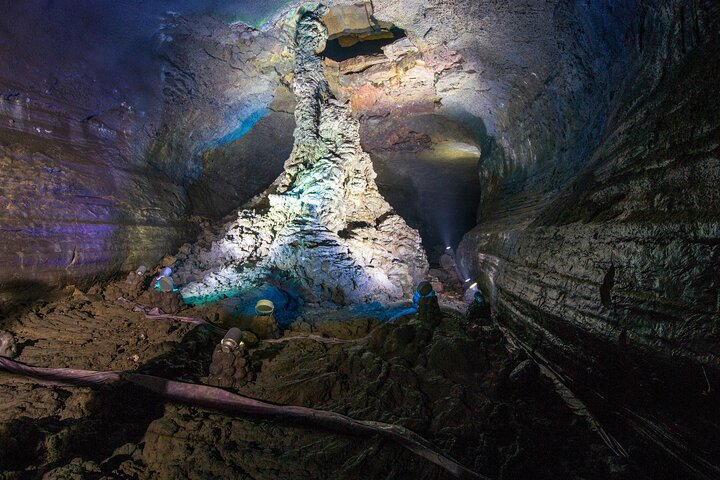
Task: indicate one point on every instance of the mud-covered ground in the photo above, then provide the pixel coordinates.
(456, 384)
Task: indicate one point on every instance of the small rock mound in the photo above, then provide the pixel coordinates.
(230, 369)
(8, 347)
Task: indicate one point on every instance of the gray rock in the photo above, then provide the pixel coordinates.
(524, 372)
(8, 346)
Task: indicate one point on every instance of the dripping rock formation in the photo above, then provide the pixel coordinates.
(326, 226)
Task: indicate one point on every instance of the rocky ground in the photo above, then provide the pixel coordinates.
(456, 385)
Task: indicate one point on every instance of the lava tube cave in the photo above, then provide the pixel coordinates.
(384, 239)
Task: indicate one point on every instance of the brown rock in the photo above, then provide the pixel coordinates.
(168, 302)
(264, 326)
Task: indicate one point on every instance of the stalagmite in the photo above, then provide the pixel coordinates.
(326, 226)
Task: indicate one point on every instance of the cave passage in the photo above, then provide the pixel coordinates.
(439, 197)
(490, 225)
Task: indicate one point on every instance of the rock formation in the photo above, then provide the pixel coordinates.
(425, 156)
(8, 346)
(575, 144)
(230, 369)
(226, 104)
(485, 410)
(326, 226)
(98, 145)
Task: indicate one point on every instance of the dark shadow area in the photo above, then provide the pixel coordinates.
(427, 169)
(232, 173)
(18, 296)
(492, 154)
(661, 410)
(439, 198)
(115, 415)
(335, 51)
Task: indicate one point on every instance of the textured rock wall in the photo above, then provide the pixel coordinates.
(226, 110)
(613, 276)
(530, 79)
(527, 83)
(75, 206)
(627, 252)
(110, 137)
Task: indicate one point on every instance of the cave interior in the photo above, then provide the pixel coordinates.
(352, 239)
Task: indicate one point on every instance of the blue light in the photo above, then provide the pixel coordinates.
(245, 125)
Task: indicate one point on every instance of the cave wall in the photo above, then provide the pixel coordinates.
(72, 214)
(227, 114)
(598, 214)
(77, 201)
(532, 80)
(117, 123)
(525, 85)
(624, 255)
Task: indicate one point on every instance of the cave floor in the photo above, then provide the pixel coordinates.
(456, 384)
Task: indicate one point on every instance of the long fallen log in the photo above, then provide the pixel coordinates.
(232, 403)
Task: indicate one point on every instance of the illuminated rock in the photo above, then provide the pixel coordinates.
(353, 23)
(8, 346)
(325, 226)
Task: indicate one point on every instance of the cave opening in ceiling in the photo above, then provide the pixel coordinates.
(353, 45)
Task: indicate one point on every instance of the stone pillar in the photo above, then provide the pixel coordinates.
(231, 369)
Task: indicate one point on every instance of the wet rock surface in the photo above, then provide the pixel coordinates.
(459, 388)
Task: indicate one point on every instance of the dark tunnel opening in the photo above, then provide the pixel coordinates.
(350, 46)
(441, 201)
